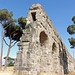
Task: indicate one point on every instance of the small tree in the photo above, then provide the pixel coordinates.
(9, 58)
(10, 61)
(11, 64)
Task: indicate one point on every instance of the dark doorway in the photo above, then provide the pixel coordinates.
(34, 16)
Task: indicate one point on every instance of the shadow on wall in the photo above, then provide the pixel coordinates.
(64, 61)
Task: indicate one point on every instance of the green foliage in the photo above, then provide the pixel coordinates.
(13, 31)
(9, 58)
(22, 22)
(27, 27)
(5, 20)
(5, 15)
(11, 64)
(73, 19)
(57, 35)
(71, 30)
(28, 30)
(47, 17)
(72, 42)
(10, 29)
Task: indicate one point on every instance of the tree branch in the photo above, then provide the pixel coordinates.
(5, 42)
(7, 26)
(13, 44)
(15, 34)
(12, 41)
(14, 31)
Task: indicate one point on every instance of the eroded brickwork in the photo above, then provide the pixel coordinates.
(41, 48)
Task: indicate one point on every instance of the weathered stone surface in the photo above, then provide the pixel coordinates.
(41, 48)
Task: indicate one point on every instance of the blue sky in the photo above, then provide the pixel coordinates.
(59, 11)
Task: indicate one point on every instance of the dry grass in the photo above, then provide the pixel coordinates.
(47, 74)
(72, 73)
(9, 71)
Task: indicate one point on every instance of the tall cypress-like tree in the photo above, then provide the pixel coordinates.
(4, 17)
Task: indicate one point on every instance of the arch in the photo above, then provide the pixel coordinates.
(53, 47)
(43, 38)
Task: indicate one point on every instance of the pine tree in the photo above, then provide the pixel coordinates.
(71, 31)
(14, 32)
(4, 17)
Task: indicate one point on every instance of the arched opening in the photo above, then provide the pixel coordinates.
(43, 38)
(54, 57)
(53, 47)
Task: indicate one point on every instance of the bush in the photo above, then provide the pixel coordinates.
(9, 58)
(11, 64)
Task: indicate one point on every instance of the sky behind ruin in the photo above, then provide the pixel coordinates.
(59, 11)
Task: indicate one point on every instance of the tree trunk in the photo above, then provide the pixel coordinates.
(1, 48)
(7, 55)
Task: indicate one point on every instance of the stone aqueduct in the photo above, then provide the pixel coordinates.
(41, 49)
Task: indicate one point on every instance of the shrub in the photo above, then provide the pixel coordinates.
(11, 64)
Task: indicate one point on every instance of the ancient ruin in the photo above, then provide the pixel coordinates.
(41, 48)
